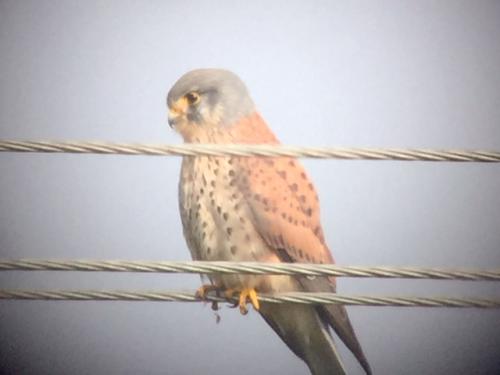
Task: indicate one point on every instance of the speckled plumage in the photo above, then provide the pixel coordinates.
(255, 209)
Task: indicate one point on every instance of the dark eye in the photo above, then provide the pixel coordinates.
(192, 97)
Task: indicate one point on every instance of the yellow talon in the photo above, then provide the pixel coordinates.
(251, 294)
(203, 290)
(247, 294)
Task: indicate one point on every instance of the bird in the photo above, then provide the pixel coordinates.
(237, 208)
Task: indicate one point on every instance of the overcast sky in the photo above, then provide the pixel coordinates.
(395, 74)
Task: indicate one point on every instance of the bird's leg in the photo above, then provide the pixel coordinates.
(245, 295)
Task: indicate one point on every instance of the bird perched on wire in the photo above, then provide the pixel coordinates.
(255, 209)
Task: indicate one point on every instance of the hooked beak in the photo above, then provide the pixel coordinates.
(177, 111)
(172, 119)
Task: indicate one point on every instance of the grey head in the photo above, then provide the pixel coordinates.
(208, 96)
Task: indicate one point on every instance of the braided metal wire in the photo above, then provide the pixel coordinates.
(297, 297)
(303, 269)
(250, 150)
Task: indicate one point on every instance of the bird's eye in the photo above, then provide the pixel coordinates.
(192, 97)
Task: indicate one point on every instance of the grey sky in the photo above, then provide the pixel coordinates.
(399, 74)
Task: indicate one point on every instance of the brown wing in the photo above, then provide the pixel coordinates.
(285, 207)
(285, 210)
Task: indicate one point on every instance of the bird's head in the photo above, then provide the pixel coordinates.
(206, 99)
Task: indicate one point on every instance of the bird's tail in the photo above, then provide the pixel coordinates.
(302, 329)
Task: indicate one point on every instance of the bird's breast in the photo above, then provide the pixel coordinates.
(215, 216)
(218, 222)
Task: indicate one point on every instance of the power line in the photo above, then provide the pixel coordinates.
(244, 150)
(296, 297)
(299, 269)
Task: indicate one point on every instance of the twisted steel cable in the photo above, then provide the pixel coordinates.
(299, 269)
(250, 150)
(296, 297)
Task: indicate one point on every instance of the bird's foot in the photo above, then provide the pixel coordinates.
(245, 295)
(203, 291)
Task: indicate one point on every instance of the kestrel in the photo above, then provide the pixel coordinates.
(255, 209)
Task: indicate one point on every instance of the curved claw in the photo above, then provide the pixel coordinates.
(246, 295)
(229, 294)
(251, 294)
